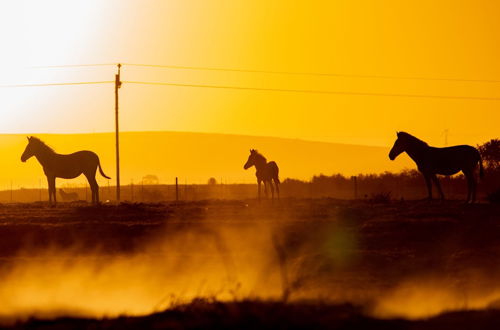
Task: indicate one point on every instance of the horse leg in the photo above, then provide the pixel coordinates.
(277, 184)
(438, 185)
(272, 188)
(429, 185)
(95, 191)
(474, 187)
(265, 188)
(54, 192)
(471, 186)
(51, 181)
(258, 188)
(94, 187)
(469, 189)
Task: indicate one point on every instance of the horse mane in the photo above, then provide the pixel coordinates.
(41, 144)
(259, 156)
(412, 139)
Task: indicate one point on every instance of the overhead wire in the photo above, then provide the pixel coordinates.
(320, 74)
(57, 84)
(270, 89)
(312, 91)
(277, 72)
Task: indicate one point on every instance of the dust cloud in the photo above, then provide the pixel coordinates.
(321, 251)
(176, 267)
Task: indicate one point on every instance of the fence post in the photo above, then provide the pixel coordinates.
(132, 190)
(176, 189)
(222, 189)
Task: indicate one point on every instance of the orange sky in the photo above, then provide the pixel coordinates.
(439, 39)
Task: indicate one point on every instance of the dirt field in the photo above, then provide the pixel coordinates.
(295, 262)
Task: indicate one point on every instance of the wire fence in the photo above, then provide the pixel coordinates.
(132, 192)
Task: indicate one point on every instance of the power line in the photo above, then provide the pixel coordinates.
(320, 74)
(311, 91)
(57, 84)
(289, 73)
(285, 90)
(70, 65)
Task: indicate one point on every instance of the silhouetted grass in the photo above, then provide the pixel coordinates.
(208, 314)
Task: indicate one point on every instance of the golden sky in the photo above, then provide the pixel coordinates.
(434, 39)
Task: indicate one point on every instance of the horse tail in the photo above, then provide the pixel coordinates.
(100, 169)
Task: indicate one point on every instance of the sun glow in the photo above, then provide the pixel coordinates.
(36, 34)
(48, 32)
(362, 38)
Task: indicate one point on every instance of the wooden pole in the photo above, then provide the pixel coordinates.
(176, 189)
(118, 84)
(132, 190)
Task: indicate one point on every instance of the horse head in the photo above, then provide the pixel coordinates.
(29, 151)
(398, 147)
(251, 159)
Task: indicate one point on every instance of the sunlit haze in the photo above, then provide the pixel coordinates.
(424, 39)
(278, 164)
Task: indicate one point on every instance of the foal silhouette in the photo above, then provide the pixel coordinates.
(68, 196)
(64, 166)
(446, 161)
(266, 172)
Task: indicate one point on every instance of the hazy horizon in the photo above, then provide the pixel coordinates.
(192, 132)
(195, 157)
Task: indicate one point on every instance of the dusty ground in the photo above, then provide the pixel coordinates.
(320, 263)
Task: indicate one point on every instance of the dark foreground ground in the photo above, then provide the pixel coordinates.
(271, 315)
(338, 264)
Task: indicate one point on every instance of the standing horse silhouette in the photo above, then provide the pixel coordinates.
(64, 166)
(266, 172)
(446, 161)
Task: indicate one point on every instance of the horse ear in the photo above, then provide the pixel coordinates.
(397, 133)
(29, 139)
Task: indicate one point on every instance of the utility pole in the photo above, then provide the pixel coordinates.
(118, 84)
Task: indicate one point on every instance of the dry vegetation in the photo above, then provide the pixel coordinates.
(320, 262)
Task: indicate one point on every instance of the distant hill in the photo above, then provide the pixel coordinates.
(195, 157)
